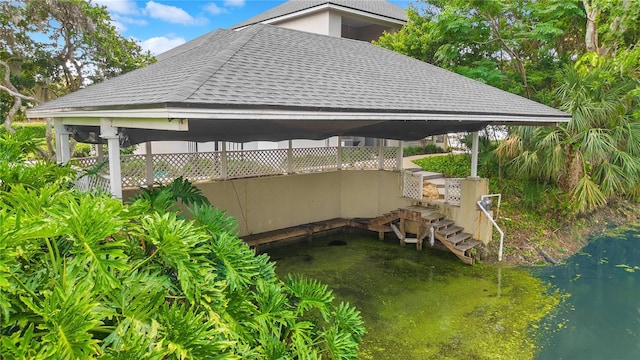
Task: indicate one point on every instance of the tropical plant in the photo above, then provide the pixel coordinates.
(85, 276)
(597, 154)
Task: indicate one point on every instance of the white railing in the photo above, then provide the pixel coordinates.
(484, 204)
(412, 185)
(92, 182)
(453, 191)
(142, 170)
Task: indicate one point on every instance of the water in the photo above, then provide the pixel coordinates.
(426, 305)
(601, 317)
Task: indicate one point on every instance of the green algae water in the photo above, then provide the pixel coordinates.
(601, 317)
(425, 305)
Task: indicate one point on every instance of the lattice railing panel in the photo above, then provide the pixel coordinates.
(453, 191)
(94, 182)
(85, 162)
(412, 186)
(133, 170)
(314, 159)
(360, 157)
(241, 164)
(191, 166)
(390, 155)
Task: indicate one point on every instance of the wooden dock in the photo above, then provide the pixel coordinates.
(426, 224)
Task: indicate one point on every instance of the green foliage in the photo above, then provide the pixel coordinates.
(451, 165)
(35, 130)
(165, 197)
(420, 150)
(595, 156)
(580, 56)
(85, 276)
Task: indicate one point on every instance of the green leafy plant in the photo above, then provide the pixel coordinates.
(85, 276)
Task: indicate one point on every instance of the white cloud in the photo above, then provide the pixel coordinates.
(127, 7)
(235, 3)
(159, 44)
(130, 20)
(172, 14)
(215, 9)
(120, 21)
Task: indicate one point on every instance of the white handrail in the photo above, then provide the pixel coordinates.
(488, 214)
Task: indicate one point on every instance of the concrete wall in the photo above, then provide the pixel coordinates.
(276, 202)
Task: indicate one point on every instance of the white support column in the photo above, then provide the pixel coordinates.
(381, 154)
(339, 152)
(110, 133)
(223, 167)
(290, 157)
(474, 155)
(63, 150)
(399, 160)
(148, 160)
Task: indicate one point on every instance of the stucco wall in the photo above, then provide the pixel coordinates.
(320, 22)
(276, 202)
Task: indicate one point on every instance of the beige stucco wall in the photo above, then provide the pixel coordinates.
(320, 22)
(276, 202)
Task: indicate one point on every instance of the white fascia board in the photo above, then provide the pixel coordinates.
(233, 114)
(325, 7)
(157, 119)
(176, 118)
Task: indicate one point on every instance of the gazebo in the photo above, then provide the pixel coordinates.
(269, 83)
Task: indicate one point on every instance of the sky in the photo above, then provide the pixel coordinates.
(159, 25)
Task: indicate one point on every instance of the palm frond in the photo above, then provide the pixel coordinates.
(587, 196)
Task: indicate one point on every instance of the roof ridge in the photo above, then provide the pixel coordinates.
(196, 81)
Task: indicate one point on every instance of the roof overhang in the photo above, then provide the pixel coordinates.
(171, 114)
(242, 125)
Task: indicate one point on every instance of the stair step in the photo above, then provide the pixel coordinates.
(434, 216)
(459, 238)
(427, 175)
(442, 223)
(451, 230)
(466, 245)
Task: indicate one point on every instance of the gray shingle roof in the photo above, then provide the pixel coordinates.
(274, 68)
(375, 7)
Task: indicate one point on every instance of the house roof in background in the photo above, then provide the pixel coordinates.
(375, 7)
(271, 73)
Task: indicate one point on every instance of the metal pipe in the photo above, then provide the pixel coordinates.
(496, 226)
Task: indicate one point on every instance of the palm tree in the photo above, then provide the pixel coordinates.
(596, 155)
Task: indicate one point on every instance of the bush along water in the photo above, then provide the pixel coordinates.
(85, 276)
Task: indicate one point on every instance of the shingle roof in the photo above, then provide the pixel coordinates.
(274, 68)
(375, 7)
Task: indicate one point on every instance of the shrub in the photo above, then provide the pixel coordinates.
(85, 276)
(450, 165)
(420, 150)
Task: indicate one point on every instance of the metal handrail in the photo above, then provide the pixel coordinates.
(481, 205)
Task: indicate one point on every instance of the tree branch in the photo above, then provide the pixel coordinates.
(10, 89)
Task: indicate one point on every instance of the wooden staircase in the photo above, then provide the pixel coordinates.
(445, 231)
